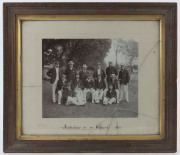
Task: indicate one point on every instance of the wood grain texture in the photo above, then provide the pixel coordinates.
(11, 10)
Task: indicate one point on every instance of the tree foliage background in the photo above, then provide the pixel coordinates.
(80, 51)
(128, 48)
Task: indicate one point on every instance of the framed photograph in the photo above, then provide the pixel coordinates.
(90, 77)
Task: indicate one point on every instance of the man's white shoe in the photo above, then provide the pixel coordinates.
(59, 102)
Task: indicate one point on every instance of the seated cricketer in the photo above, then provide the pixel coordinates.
(77, 83)
(110, 96)
(114, 82)
(77, 86)
(100, 86)
(89, 88)
(60, 87)
(72, 97)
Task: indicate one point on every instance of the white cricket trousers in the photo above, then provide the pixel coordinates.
(109, 100)
(54, 85)
(124, 92)
(92, 91)
(99, 95)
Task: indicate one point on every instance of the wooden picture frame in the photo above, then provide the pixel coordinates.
(14, 13)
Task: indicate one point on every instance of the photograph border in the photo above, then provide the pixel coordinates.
(15, 13)
(21, 18)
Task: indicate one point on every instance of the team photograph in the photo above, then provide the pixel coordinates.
(89, 78)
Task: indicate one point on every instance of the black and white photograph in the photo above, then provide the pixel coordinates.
(90, 78)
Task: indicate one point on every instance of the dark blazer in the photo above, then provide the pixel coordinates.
(76, 83)
(83, 76)
(70, 74)
(109, 71)
(66, 93)
(111, 94)
(61, 85)
(89, 85)
(52, 73)
(100, 84)
(95, 75)
(124, 77)
(114, 83)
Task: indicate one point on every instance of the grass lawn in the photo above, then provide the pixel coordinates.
(91, 110)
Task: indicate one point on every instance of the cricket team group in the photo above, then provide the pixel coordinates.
(72, 87)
